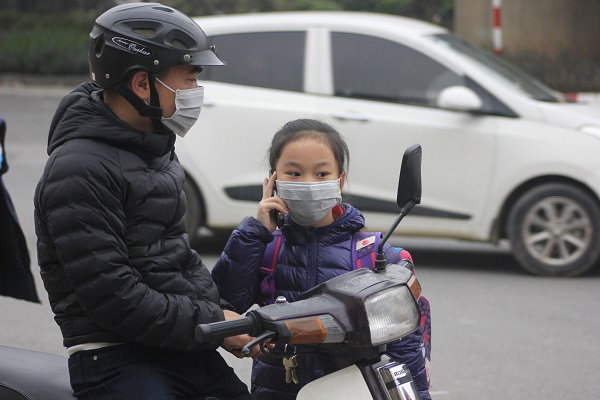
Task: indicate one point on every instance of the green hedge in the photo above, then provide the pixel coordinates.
(41, 44)
(57, 44)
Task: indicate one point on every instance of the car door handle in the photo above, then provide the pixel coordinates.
(349, 116)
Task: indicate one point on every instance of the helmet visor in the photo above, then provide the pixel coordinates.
(205, 57)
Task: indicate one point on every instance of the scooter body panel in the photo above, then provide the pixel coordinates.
(347, 383)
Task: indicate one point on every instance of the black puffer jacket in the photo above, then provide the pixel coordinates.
(112, 247)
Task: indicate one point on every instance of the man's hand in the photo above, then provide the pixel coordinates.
(234, 344)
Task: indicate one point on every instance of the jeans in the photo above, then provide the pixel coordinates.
(136, 372)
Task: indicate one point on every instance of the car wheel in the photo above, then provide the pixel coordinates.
(554, 230)
(194, 214)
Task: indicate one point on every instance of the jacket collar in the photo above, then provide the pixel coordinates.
(82, 114)
(338, 231)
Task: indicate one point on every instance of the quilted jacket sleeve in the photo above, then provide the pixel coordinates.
(80, 205)
(236, 272)
(408, 350)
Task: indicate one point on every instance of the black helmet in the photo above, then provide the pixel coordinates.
(148, 36)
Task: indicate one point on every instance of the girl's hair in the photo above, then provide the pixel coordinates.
(310, 128)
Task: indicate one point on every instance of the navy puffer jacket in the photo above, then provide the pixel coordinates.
(307, 258)
(112, 246)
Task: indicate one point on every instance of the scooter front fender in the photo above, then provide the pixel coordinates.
(382, 380)
(347, 383)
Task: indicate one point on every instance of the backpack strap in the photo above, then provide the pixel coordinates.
(267, 268)
(364, 249)
(269, 260)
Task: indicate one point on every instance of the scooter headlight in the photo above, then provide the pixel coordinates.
(392, 314)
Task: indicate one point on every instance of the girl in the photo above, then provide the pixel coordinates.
(308, 160)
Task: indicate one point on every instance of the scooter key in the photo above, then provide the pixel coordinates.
(290, 364)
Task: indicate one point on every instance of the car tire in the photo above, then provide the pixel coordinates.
(554, 229)
(194, 213)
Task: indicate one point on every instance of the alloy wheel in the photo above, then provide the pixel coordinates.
(557, 231)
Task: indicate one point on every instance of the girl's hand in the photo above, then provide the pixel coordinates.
(269, 205)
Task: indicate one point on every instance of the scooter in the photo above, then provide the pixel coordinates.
(350, 318)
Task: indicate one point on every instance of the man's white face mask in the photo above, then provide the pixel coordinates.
(309, 202)
(188, 104)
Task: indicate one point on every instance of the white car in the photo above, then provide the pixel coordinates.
(503, 155)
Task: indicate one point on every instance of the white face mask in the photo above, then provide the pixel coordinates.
(188, 104)
(309, 202)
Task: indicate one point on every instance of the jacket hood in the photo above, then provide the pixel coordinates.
(339, 230)
(82, 114)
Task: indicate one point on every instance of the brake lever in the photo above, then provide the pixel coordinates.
(259, 339)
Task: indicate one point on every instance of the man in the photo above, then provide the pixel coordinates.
(125, 286)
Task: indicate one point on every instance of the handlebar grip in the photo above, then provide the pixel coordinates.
(220, 330)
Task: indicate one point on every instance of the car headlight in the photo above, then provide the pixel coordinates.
(392, 314)
(593, 130)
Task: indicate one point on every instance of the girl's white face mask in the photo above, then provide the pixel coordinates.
(188, 104)
(309, 202)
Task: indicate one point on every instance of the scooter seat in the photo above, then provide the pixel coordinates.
(33, 375)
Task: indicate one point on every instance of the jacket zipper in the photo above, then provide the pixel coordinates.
(312, 279)
(312, 258)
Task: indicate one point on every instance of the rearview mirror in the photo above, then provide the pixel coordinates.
(409, 195)
(409, 184)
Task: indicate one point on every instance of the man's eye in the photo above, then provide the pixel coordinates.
(293, 173)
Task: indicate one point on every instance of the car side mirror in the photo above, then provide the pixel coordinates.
(459, 98)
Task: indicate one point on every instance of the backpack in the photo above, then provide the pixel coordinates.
(364, 252)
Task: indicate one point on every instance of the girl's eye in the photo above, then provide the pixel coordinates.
(322, 174)
(293, 173)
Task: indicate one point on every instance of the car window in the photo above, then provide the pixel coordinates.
(371, 68)
(265, 59)
(500, 69)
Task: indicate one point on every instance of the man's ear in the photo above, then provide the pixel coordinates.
(140, 85)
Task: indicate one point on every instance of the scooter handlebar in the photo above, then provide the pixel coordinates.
(217, 331)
